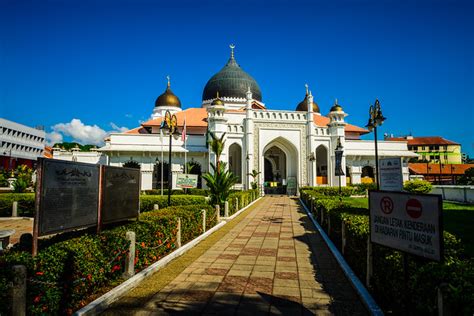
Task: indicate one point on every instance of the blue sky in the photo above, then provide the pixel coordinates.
(105, 62)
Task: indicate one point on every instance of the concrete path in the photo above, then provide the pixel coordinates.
(271, 262)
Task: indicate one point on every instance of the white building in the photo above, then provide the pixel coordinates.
(20, 144)
(92, 156)
(283, 145)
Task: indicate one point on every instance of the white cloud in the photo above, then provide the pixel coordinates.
(81, 133)
(53, 138)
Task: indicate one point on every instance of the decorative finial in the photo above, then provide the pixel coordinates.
(248, 89)
(310, 93)
(232, 46)
(168, 77)
(306, 86)
(335, 102)
(217, 95)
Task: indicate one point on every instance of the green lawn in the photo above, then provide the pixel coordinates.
(458, 219)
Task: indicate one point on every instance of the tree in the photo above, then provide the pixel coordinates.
(467, 178)
(221, 180)
(254, 174)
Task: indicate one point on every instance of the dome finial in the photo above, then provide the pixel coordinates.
(217, 95)
(232, 46)
(168, 77)
(335, 102)
(307, 87)
(311, 94)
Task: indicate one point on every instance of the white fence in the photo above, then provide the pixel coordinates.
(458, 193)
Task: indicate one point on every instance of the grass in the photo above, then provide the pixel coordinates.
(458, 219)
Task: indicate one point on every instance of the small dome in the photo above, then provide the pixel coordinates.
(336, 107)
(217, 101)
(303, 105)
(232, 82)
(168, 98)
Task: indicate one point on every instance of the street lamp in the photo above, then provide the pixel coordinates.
(375, 119)
(338, 151)
(169, 125)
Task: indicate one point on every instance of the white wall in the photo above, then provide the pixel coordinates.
(458, 193)
(20, 141)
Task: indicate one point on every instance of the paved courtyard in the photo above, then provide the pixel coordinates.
(271, 262)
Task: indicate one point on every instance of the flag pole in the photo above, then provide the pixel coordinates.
(161, 139)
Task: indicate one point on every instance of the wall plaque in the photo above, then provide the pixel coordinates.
(120, 194)
(69, 196)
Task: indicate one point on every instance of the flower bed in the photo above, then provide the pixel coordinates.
(457, 271)
(66, 272)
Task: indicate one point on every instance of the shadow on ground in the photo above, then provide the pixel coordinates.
(345, 300)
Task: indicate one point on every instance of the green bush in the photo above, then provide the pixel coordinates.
(329, 191)
(387, 282)
(26, 204)
(244, 197)
(417, 186)
(147, 201)
(192, 191)
(66, 272)
(362, 188)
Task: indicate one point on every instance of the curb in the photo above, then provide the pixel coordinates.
(103, 302)
(362, 292)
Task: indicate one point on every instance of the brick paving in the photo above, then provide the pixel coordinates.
(271, 263)
(21, 226)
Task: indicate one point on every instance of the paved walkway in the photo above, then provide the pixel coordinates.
(271, 262)
(20, 225)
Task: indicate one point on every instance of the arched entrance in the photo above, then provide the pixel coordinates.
(367, 175)
(235, 161)
(280, 167)
(321, 165)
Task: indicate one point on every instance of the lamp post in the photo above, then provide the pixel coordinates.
(375, 119)
(338, 151)
(169, 125)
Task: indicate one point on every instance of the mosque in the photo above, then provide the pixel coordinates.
(290, 147)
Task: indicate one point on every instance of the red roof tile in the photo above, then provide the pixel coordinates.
(429, 140)
(434, 168)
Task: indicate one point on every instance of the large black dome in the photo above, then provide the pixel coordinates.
(231, 82)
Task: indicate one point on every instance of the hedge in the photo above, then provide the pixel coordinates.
(425, 277)
(66, 272)
(193, 191)
(329, 191)
(147, 201)
(26, 204)
(244, 197)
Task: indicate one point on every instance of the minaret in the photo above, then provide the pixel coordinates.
(310, 145)
(337, 133)
(249, 148)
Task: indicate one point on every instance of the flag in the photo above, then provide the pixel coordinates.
(183, 133)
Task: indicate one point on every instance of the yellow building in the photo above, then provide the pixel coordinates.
(433, 148)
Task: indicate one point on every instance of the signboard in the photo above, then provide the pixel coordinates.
(291, 186)
(408, 222)
(69, 196)
(120, 194)
(391, 176)
(186, 181)
(338, 168)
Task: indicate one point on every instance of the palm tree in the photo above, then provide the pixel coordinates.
(217, 146)
(254, 175)
(221, 180)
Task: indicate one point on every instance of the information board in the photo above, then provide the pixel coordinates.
(408, 222)
(391, 176)
(120, 194)
(69, 196)
(186, 181)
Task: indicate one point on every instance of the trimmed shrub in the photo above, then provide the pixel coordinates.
(362, 188)
(65, 273)
(329, 191)
(147, 201)
(26, 204)
(245, 198)
(192, 191)
(417, 186)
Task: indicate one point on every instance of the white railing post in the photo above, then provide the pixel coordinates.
(15, 209)
(218, 213)
(156, 207)
(226, 209)
(203, 221)
(19, 291)
(130, 259)
(178, 237)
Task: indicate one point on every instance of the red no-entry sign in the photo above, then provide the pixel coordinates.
(414, 208)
